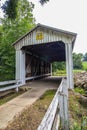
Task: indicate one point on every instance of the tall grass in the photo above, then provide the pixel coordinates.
(84, 63)
(63, 72)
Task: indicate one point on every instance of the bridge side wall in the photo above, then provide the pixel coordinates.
(35, 66)
(30, 66)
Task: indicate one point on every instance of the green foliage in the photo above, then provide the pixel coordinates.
(84, 63)
(43, 1)
(77, 61)
(79, 90)
(1, 28)
(59, 73)
(10, 97)
(85, 57)
(78, 112)
(10, 31)
(48, 94)
(9, 8)
(77, 71)
(83, 125)
(58, 66)
(58, 69)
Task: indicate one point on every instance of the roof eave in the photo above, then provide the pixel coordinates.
(45, 26)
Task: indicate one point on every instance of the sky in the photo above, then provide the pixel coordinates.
(70, 15)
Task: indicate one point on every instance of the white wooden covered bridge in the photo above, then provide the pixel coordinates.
(39, 48)
(35, 53)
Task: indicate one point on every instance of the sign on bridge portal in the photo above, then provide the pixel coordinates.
(39, 36)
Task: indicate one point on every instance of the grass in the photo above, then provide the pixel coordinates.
(77, 71)
(10, 97)
(84, 63)
(78, 113)
(59, 73)
(63, 72)
(48, 94)
(80, 90)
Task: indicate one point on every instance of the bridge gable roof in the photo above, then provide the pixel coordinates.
(44, 34)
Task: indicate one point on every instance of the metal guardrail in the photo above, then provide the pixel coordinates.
(38, 76)
(9, 82)
(17, 83)
(57, 111)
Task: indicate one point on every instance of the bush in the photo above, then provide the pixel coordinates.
(59, 73)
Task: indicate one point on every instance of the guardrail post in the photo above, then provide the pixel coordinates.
(17, 89)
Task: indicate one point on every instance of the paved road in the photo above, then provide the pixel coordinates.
(15, 106)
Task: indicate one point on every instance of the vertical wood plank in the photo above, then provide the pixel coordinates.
(63, 105)
(20, 66)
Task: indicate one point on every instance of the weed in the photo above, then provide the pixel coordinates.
(79, 90)
(82, 126)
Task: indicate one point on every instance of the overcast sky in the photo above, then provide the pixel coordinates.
(68, 15)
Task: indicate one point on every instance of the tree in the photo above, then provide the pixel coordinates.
(11, 30)
(77, 61)
(85, 57)
(43, 1)
(10, 7)
(1, 33)
(58, 66)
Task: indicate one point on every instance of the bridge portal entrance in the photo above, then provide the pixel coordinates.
(39, 48)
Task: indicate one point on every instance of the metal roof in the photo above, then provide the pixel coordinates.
(51, 47)
(49, 28)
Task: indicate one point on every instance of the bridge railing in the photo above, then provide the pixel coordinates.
(15, 84)
(58, 111)
(11, 84)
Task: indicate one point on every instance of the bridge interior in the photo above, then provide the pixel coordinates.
(50, 82)
(40, 56)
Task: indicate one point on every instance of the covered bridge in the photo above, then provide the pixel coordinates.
(39, 48)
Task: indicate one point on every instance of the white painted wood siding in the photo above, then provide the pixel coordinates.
(59, 108)
(48, 36)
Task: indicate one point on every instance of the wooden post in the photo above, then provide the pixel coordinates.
(51, 68)
(17, 89)
(69, 65)
(20, 66)
(63, 105)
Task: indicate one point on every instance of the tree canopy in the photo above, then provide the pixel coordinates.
(43, 1)
(10, 31)
(85, 57)
(77, 61)
(10, 7)
(18, 19)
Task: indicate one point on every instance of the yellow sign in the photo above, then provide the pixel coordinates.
(39, 36)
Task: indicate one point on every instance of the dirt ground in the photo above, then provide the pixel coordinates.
(31, 117)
